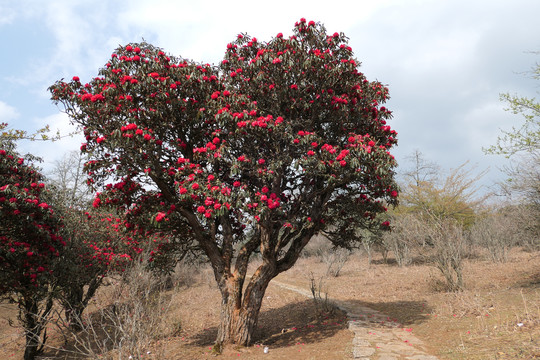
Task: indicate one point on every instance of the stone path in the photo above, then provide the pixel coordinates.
(376, 336)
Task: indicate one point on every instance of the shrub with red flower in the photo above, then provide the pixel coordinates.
(30, 245)
(237, 157)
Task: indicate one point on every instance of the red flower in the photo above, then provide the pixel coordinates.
(311, 153)
(261, 161)
(201, 209)
(43, 205)
(280, 35)
(195, 186)
(160, 216)
(76, 78)
(294, 86)
(394, 193)
(236, 183)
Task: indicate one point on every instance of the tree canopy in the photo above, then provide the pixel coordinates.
(281, 140)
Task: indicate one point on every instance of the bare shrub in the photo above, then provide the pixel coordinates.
(407, 232)
(335, 259)
(526, 224)
(184, 274)
(128, 321)
(317, 246)
(322, 304)
(449, 247)
(496, 233)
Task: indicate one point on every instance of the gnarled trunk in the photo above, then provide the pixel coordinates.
(239, 314)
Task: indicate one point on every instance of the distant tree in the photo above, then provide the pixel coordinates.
(30, 245)
(523, 144)
(69, 180)
(527, 137)
(454, 196)
(422, 170)
(281, 141)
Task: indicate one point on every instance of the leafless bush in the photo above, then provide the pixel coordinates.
(526, 224)
(128, 319)
(407, 232)
(335, 259)
(317, 246)
(496, 233)
(185, 274)
(449, 247)
(322, 304)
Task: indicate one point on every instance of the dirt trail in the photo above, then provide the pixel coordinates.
(376, 336)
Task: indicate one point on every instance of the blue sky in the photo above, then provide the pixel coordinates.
(445, 62)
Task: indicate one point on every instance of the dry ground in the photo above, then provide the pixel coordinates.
(496, 317)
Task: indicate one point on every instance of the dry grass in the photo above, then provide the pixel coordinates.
(289, 325)
(496, 317)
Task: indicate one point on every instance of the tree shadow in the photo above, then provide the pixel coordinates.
(301, 322)
(532, 281)
(287, 325)
(403, 313)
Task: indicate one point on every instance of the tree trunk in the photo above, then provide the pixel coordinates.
(76, 301)
(239, 314)
(34, 323)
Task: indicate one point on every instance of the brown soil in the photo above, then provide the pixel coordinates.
(496, 317)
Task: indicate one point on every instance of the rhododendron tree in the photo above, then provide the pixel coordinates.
(98, 247)
(282, 140)
(29, 246)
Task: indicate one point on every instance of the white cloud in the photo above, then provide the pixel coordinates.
(201, 32)
(7, 15)
(7, 113)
